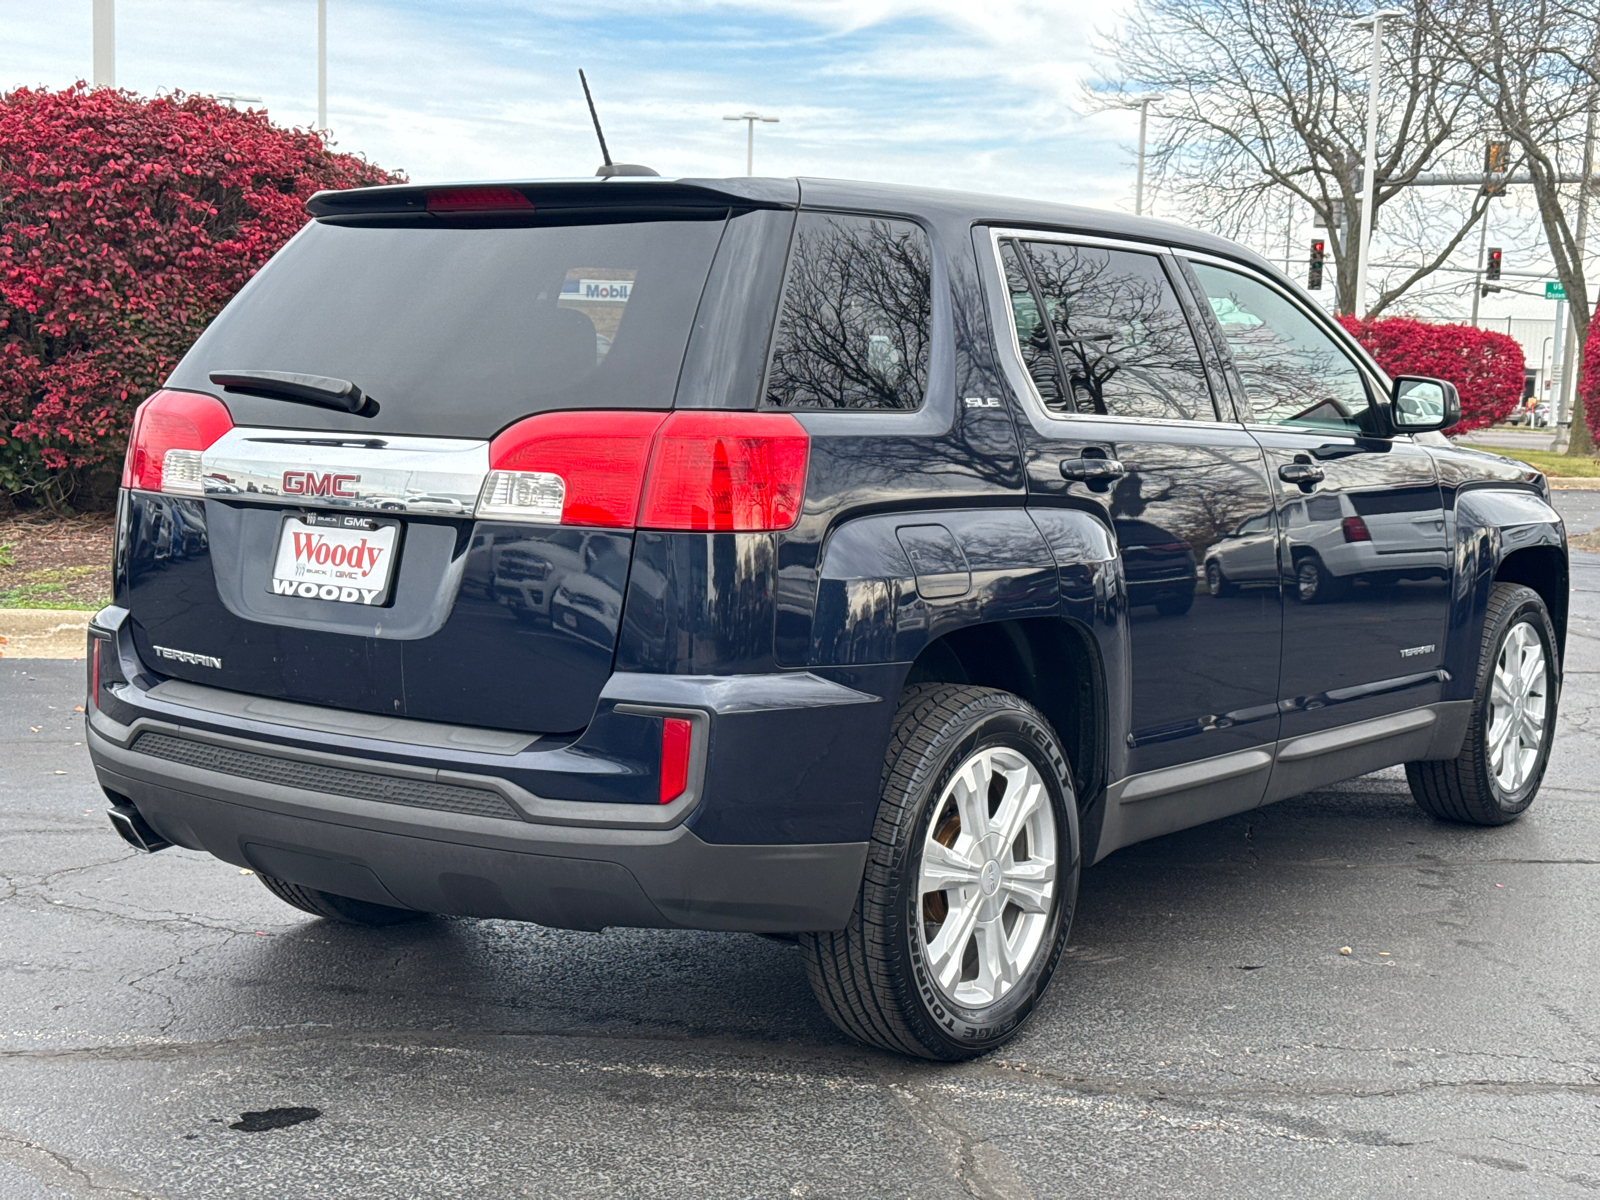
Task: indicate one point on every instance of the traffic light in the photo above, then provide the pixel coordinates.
(1493, 270)
(1496, 162)
(1318, 251)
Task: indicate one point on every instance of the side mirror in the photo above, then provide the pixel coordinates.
(1418, 404)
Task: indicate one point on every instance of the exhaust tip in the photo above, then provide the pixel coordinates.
(135, 830)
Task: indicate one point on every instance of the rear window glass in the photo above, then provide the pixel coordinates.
(857, 316)
(460, 331)
(1124, 342)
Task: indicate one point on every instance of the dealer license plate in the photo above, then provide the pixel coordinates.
(330, 556)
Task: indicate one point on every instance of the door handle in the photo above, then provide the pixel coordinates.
(1307, 475)
(1092, 470)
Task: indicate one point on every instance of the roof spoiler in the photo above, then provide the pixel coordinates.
(619, 190)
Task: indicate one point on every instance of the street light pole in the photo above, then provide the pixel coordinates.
(322, 65)
(105, 43)
(1369, 175)
(750, 119)
(1142, 103)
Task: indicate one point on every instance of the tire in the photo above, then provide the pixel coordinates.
(1476, 788)
(1175, 604)
(1314, 584)
(343, 909)
(886, 979)
(1218, 583)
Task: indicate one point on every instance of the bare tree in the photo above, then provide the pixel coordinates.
(1535, 70)
(1265, 97)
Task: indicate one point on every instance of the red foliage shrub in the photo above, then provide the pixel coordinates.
(125, 225)
(1589, 380)
(1485, 366)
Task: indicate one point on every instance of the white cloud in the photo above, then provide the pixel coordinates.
(941, 92)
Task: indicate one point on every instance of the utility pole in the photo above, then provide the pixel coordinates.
(1369, 183)
(105, 44)
(750, 119)
(1566, 411)
(322, 66)
(1477, 278)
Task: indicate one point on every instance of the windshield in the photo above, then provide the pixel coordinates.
(460, 331)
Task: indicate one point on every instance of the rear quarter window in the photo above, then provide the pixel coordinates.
(856, 321)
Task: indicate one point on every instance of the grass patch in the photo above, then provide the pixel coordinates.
(5, 557)
(1558, 465)
(58, 588)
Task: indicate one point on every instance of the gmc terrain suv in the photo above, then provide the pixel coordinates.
(832, 560)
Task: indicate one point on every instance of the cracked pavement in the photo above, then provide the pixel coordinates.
(1205, 1036)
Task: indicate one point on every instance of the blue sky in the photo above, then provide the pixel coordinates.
(981, 94)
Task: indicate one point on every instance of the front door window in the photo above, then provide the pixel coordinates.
(1293, 372)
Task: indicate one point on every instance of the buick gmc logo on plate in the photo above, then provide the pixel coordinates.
(322, 556)
(310, 483)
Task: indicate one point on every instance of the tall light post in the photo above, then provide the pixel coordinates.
(1142, 103)
(1368, 175)
(322, 65)
(105, 43)
(750, 119)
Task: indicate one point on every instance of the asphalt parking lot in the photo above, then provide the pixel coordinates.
(1206, 1036)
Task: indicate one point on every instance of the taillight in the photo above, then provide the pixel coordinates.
(726, 471)
(699, 470)
(170, 430)
(676, 738)
(570, 468)
(1355, 530)
(94, 672)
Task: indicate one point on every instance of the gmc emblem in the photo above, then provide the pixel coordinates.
(309, 483)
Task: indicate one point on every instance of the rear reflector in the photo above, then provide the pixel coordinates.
(477, 199)
(170, 430)
(676, 737)
(687, 471)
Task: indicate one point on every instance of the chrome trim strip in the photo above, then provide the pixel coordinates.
(1193, 774)
(316, 469)
(1362, 732)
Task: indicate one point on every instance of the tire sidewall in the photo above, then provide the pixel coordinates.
(1530, 610)
(961, 1028)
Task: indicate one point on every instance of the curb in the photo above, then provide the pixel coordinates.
(43, 632)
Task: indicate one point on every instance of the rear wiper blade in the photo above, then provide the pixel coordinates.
(287, 385)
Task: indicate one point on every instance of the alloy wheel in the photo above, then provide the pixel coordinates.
(986, 885)
(1518, 704)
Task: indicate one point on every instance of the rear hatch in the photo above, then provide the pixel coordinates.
(294, 548)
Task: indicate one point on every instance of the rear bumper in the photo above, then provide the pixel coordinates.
(770, 835)
(572, 877)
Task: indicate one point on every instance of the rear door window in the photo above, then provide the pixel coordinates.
(856, 324)
(460, 331)
(1112, 323)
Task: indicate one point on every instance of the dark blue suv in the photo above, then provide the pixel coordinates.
(831, 560)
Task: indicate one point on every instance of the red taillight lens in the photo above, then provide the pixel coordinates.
(170, 430)
(1355, 530)
(94, 673)
(477, 199)
(676, 738)
(575, 468)
(703, 470)
(726, 471)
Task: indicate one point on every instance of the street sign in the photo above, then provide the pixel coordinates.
(1554, 291)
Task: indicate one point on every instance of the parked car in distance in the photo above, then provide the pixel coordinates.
(839, 561)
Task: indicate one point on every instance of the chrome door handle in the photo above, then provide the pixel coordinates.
(1092, 470)
(1303, 473)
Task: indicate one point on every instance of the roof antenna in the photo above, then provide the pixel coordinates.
(595, 117)
(608, 168)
